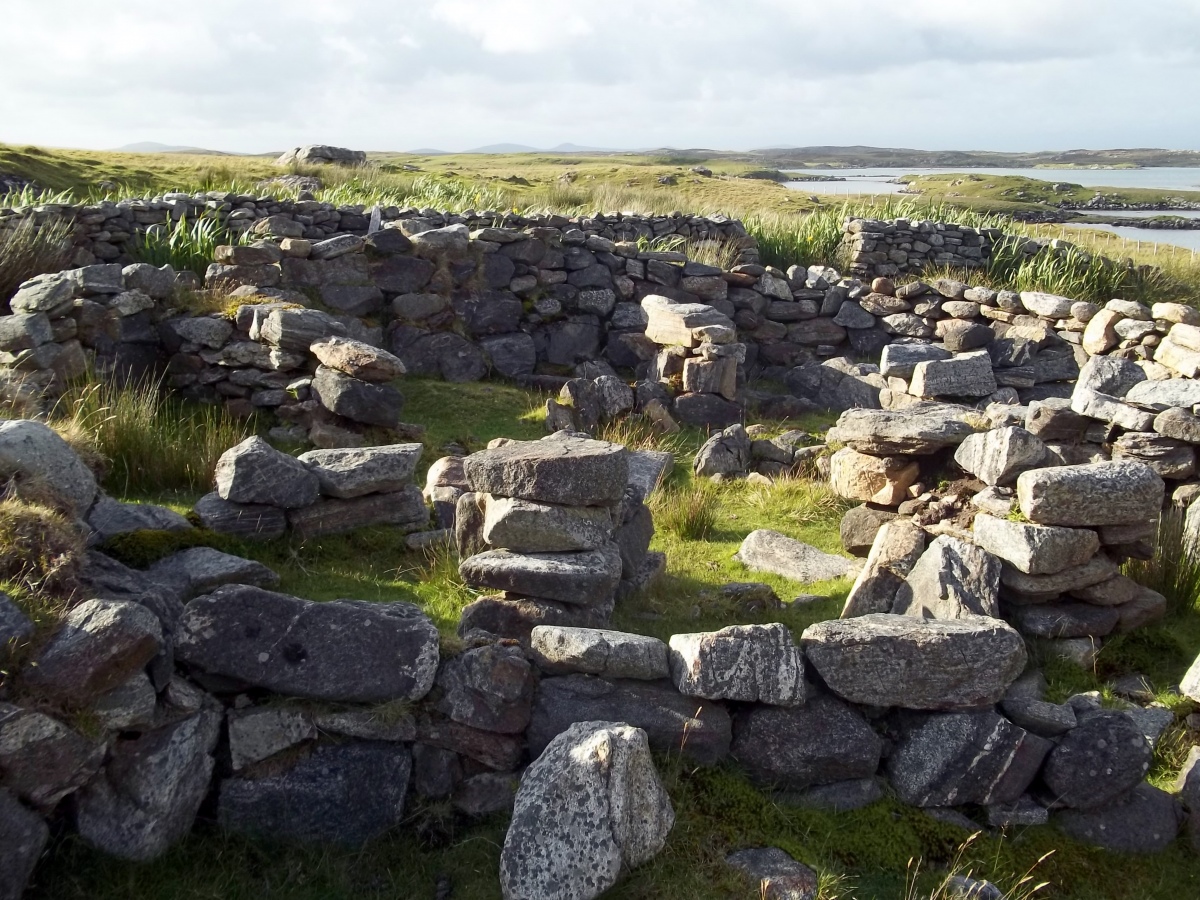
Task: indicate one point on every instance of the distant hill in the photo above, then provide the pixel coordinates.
(504, 148)
(427, 151)
(155, 147)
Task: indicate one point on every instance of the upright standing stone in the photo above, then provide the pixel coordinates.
(590, 806)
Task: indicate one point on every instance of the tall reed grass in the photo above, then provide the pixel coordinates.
(185, 245)
(26, 251)
(152, 442)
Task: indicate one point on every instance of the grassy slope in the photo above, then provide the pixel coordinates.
(1006, 194)
(864, 854)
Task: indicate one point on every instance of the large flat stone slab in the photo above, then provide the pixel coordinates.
(569, 471)
(770, 551)
(902, 661)
(746, 663)
(344, 650)
(560, 650)
(356, 471)
(525, 526)
(919, 430)
(587, 578)
(1106, 493)
(1035, 549)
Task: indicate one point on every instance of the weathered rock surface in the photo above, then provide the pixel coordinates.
(966, 375)
(299, 648)
(404, 509)
(770, 551)
(151, 789)
(965, 758)
(23, 837)
(1035, 549)
(1096, 762)
(109, 517)
(356, 400)
(1112, 493)
(775, 874)
(701, 730)
(490, 688)
(590, 807)
(525, 526)
(341, 794)
(890, 660)
(952, 580)
(919, 430)
(595, 651)
(998, 456)
(100, 644)
(33, 452)
(860, 527)
(822, 742)
(41, 759)
(1146, 820)
(249, 521)
(898, 546)
(255, 472)
(725, 453)
(355, 472)
(747, 663)
(573, 471)
(586, 578)
(356, 359)
(874, 479)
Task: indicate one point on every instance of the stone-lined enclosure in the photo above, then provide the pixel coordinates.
(182, 665)
(1041, 403)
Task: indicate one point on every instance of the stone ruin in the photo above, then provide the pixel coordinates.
(1064, 423)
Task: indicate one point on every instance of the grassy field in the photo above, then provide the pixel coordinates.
(865, 855)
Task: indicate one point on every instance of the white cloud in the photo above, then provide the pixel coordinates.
(382, 74)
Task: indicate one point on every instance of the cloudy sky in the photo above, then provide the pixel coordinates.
(263, 75)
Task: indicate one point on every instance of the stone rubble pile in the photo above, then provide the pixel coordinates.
(262, 493)
(1035, 531)
(559, 527)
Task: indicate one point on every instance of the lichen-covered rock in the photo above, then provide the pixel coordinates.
(255, 472)
(530, 527)
(919, 430)
(998, 456)
(33, 452)
(344, 650)
(1097, 762)
(357, 471)
(357, 400)
(41, 759)
(1145, 820)
(249, 521)
(100, 644)
(572, 472)
(1112, 493)
(490, 688)
(957, 759)
(1035, 549)
(148, 795)
(747, 663)
(776, 874)
(725, 453)
(902, 661)
(952, 580)
(589, 807)
(897, 548)
(822, 742)
(769, 551)
(587, 578)
(561, 650)
(109, 517)
(405, 509)
(357, 359)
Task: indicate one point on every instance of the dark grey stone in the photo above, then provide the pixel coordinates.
(342, 794)
(1145, 820)
(1097, 762)
(821, 742)
(359, 401)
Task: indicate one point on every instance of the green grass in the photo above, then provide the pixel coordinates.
(151, 441)
(185, 246)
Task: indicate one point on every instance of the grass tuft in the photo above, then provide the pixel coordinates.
(41, 549)
(153, 442)
(690, 513)
(26, 251)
